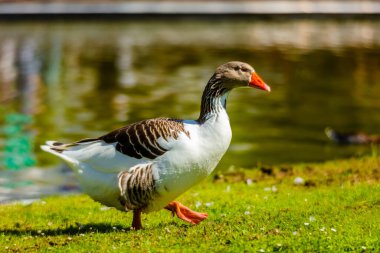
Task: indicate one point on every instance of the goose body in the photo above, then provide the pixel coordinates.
(144, 166)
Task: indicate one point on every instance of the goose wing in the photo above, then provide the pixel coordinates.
(141, 139)
(134, 144)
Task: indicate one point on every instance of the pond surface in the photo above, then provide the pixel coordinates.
(69, 80)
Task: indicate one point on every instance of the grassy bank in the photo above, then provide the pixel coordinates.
(332, 207)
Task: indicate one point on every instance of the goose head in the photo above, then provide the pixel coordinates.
(236, 74)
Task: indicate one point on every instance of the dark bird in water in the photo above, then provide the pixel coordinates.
(351, 137)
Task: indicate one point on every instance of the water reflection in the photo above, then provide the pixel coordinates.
(7, 69)
(82, 79)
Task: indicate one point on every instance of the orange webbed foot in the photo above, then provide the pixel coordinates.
(185, 213)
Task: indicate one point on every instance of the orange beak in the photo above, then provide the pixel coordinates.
(258, 83)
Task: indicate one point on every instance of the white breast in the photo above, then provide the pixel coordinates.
(191, 160)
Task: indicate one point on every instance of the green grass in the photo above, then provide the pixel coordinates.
(336, 210)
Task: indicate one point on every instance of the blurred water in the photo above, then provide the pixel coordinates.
(77, 79)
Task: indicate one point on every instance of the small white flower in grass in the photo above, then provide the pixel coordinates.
(198, 204)
(50, 223)
(247, 212)
(312, 219)
(306, 224)
(322, 229)
(114, 228)
(262, 250)
(69, 238)
(271, 189)
(364, 248)
(295, 233)
(105, 208)
(208, 204)
(333, 229)
(81, 234)
(249, 181)
(262, 229)
(299, 181)
(228, 188)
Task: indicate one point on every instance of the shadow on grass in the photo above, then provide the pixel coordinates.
(83, 229)
(69, 230)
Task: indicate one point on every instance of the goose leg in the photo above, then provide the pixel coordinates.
(136, 223)
(185, 213)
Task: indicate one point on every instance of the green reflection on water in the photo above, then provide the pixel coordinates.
(94, 77)
(17, 151)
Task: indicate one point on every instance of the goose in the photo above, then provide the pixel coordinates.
(145, 166)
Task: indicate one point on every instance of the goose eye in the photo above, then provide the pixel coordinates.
(236, 68)
(244, 70)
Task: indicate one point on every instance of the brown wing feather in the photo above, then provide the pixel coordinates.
(137, 187)
(139, 140)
